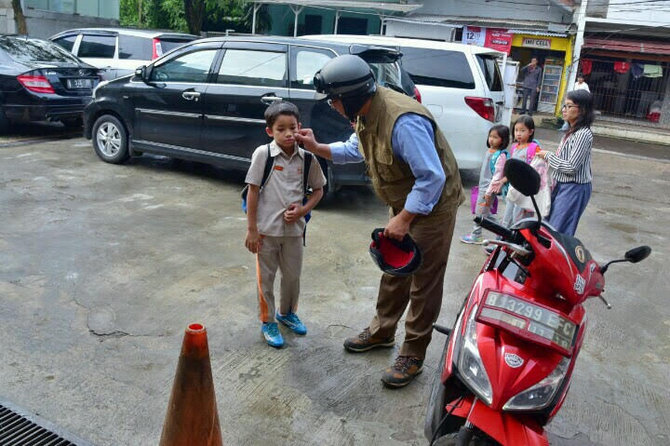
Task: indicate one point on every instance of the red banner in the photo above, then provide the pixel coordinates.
(498, 39)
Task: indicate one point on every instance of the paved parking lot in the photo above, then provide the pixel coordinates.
(102, 267)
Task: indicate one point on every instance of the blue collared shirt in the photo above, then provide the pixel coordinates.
(412, 140)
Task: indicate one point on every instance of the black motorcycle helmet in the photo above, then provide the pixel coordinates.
(349, 79)
(398, 258)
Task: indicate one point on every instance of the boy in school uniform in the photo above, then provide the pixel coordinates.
(276, 218)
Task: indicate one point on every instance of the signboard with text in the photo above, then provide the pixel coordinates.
(498, 39)
(536, 43)
(494, 38)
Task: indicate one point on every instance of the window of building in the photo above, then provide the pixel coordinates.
(108, 9)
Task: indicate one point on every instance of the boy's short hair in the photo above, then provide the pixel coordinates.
(280, 108)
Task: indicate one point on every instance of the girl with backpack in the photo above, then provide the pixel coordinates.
(483, 196)
(525, 148)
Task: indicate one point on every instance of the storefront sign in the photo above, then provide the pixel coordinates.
(474, 35)
(497, 39)
(536, 43)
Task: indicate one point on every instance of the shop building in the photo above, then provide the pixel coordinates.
(625, 60)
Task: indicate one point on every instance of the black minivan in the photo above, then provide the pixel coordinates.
(205, 101)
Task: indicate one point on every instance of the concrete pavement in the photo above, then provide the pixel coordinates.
(102, 267)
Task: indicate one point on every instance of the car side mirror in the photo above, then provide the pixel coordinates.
(141, 72)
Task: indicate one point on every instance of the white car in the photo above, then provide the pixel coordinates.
(118, 51)
(460, 84)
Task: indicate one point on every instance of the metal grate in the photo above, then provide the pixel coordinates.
(18, 428)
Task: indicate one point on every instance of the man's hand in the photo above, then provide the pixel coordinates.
(293, 213)
(398, 226)
(307, 139)
(254, 241)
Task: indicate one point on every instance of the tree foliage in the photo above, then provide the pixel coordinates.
(203, 15)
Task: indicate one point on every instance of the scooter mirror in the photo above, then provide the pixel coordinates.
(522, 177)
(637, 254)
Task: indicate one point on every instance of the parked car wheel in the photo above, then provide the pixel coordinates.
(110, 139)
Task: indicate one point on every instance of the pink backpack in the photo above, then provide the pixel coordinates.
(530, 151)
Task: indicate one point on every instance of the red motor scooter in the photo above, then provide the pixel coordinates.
(507, 363)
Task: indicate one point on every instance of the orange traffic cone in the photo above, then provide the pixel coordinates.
(192, 417)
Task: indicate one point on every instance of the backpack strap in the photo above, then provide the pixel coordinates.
(530, 151)
(494, 159)
(269, 162)
(305, 171)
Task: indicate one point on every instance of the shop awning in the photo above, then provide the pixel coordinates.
(628, 46)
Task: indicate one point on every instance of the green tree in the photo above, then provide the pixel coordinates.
(217, 15)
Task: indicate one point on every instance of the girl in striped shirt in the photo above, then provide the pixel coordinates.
(571, 164)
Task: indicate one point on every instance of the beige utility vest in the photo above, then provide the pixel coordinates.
(391, 177)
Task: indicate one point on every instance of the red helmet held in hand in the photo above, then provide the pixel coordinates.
(398, 258)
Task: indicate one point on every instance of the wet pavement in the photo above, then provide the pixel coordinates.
(102, 267)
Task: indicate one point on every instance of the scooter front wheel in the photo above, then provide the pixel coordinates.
(453, 439)
(437, 400)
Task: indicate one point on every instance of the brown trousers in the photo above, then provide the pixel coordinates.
(285, 254)
(422, 291)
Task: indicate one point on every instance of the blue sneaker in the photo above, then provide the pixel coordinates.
(472, 239)
(271, 334)
(293, 322)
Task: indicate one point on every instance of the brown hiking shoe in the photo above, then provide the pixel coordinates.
(402, 372)
(365, 341)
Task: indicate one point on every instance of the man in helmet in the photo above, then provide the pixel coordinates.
(413, 171)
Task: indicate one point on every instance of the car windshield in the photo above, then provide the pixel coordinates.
(35, 50)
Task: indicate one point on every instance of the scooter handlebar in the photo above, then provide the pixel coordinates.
(494, 227)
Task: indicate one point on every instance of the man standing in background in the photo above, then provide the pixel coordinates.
(532, 76)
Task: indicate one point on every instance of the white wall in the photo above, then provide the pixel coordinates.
(643, 12)
(540, 10)
(419, 30)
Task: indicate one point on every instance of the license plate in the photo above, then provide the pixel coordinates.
(527, 316)
(79, 83)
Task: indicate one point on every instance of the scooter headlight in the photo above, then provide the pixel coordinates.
(470, 363)
(541, 394)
